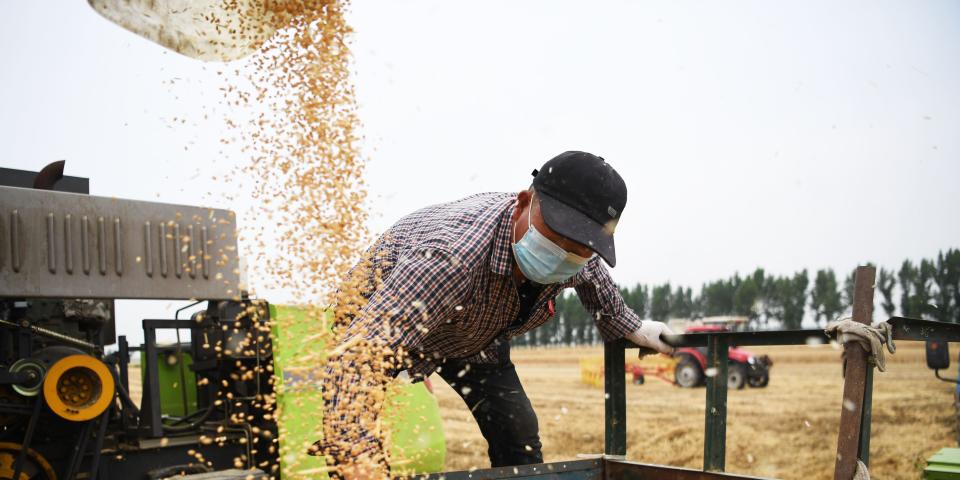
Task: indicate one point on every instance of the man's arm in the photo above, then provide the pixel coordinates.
(422, 289)
(601, 297)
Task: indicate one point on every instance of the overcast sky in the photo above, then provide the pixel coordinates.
(786, 135)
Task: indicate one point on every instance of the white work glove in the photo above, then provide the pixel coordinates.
(871, 338)
(648, 337)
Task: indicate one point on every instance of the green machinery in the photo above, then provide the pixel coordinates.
(943, 465)
(66, 409)
(412, 414)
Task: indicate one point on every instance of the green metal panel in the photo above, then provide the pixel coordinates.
(171, 385)
(411, 415)
(943, 465)
(715, 436)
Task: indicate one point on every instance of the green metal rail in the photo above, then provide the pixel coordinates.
(715, 421)
(854, 429)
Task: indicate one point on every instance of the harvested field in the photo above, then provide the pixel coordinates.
(787, 430)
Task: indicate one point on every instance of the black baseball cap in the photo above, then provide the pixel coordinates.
(581, 198)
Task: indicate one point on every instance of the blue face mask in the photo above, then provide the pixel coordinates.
(543, 261)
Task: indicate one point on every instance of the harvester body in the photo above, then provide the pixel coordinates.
(68, 383)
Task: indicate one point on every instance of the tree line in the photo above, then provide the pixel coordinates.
(928, 289)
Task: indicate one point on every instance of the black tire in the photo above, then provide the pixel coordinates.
(736, 376)
(688, 373)
(638, 380)
(759, 380)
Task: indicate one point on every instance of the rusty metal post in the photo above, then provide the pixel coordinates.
(863, 453)
(615, 404)
(854, 382)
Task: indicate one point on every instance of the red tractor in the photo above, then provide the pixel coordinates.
(744, 368)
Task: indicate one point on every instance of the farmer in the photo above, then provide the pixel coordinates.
(446, 288)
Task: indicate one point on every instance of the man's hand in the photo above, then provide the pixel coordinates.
(648, 337)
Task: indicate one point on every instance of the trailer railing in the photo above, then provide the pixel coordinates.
(854, 434)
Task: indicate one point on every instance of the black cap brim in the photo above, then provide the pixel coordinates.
(577, 226)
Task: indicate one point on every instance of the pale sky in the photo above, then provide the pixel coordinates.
(786, 135)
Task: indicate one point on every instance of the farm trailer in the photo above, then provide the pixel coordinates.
(854, 435)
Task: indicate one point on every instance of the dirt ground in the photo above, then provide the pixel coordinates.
(787, 430)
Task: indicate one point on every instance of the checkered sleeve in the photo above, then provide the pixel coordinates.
(421, 291)
(601, 297)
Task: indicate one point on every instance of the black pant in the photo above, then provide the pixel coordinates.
(494, 395)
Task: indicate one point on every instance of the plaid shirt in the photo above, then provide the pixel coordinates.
(440, 286)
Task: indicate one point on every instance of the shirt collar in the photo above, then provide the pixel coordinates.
(501, 261)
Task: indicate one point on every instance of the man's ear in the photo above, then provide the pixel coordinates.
(523, 199)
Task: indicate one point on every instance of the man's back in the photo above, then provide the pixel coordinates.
(461, 229)
(456, 256)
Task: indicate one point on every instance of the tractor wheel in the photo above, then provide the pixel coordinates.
(688, 373)
(736, 376)
(638, 380)
(759, 381)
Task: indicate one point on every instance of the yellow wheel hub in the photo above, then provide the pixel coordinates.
(78, 387)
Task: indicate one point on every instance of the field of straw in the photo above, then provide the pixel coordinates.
(787, 430)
